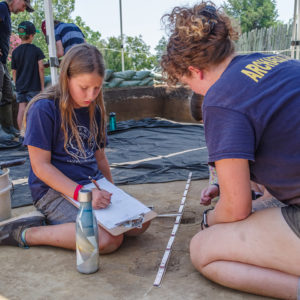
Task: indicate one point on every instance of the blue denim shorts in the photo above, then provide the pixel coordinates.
(56, 208)
(25, 97)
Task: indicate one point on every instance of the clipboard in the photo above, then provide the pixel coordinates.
(123, 214)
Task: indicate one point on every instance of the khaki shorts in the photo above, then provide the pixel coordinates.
(291, 214)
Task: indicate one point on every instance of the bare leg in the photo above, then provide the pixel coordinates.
(266, 282)
(20, 116)
(64, 236)
(258, 255)
(138, 231)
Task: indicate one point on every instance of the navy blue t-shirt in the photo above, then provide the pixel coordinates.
(44, 131)
(69, 34)
(253, 112)
(25, 60)
(5, 30)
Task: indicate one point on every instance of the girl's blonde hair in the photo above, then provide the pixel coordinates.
(200, 36)
(80, 59)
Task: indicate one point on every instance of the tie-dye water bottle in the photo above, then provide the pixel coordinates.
(87, 249)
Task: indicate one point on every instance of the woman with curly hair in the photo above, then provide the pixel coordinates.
(252, 126)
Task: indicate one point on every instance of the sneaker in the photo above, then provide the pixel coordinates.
(11, 230)
(12, 130)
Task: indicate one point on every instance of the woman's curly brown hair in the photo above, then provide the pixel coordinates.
(200, 36)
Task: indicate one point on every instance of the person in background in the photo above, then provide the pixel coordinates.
(67, 35)
(65, 131)
(27, 68)
(252, 129)
(7, 130)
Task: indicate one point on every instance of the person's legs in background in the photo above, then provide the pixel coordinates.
(21, 110)
(23, 99)
(3, 135)
(6, 117)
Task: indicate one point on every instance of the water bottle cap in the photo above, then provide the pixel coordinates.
(85, 195)
(112, 114)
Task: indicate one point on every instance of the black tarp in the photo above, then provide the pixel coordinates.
(155, 150)
(144, 151)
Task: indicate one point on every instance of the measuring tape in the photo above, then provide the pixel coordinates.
(163, 265)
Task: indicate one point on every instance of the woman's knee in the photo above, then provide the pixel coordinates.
(199, 251)
(109, 243)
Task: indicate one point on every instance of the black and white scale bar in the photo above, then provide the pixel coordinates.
(164, 262)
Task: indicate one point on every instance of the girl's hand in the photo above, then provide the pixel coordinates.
(208, 194)
(101, 199)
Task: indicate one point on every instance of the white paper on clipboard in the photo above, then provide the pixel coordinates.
(123, 207)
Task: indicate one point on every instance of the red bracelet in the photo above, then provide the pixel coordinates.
(78, 188)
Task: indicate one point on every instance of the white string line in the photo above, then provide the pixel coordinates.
(264, 51)
(155, 158)
(250, 51)
(129, 52)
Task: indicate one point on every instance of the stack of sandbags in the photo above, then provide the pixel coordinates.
(131, 78)
(125, 79)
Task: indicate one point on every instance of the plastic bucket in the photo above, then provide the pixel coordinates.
(5, 200)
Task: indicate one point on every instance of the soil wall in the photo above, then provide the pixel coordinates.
(144, 102)
(148, 102)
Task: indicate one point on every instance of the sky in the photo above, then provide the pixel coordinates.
(142, 17)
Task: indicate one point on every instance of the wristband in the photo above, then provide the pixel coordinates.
(204, 218)
(217, 185)
(255, 195)
(78, 188)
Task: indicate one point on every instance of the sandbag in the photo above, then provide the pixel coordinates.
(126, 75)
(140, 75)
(156, 76)
(151, 82)
(126, 83)
(115, 82)
(108, 74)
(146, 81)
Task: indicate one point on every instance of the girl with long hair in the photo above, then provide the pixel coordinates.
(66, 136)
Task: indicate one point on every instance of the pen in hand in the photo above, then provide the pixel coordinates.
(97, 186)
(95, 183)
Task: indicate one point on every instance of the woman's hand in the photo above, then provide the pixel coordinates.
(100, 199)
(208, 194)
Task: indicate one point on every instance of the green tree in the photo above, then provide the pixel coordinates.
(252, 14)
(36, 18)
(62, 10)
(138, 53)
(91, 36)
(160, 49)
(111, 51)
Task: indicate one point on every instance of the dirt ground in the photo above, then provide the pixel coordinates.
(129, 273)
